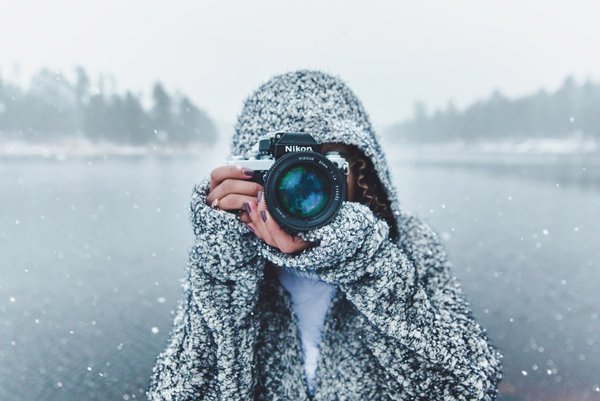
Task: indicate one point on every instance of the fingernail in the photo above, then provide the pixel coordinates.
(247, 208)
(259, 196)
(248, 171)
(214, 204)
(263, 214)
(250, 228)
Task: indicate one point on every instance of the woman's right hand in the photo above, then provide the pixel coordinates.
(230, 188)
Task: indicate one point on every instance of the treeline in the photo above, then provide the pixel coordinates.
(55, 108)
(572, 108)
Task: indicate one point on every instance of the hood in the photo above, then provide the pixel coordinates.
(316, 103)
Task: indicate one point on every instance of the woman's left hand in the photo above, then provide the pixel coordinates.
(267, 229)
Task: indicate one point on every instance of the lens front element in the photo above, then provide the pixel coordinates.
(303, 191)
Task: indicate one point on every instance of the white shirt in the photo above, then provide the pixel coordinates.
(311, 298)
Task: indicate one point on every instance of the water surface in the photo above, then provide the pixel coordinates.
(92, 250)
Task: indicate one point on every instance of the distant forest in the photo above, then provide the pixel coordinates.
(53, 108)
(573, 108)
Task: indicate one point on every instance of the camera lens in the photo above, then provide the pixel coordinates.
(302, 190)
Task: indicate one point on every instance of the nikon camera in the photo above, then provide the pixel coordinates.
(303, 189)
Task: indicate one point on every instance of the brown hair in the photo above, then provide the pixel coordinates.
(369, 190)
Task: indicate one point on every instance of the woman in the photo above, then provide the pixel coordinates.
(382, 318)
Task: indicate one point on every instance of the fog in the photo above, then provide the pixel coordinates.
(392, 53)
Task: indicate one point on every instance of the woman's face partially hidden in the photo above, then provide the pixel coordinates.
(345, 152)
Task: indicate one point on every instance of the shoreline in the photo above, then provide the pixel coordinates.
(86, 149)
(573, 151)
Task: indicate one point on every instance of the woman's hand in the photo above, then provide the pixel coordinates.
(230, 188)
(232, 192)
(267, 229)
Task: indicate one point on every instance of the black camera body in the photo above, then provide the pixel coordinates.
(303, 188)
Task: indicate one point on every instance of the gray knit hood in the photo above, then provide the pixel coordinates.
(316, 103)
(398, 326)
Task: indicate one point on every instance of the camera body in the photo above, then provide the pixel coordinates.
(303, 189)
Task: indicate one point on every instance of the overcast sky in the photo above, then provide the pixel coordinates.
(391, 53)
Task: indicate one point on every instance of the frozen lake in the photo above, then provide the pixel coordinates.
(92, 250)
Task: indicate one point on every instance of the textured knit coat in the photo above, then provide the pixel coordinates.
(398, 327)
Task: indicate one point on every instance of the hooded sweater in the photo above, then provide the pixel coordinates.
(398, 326)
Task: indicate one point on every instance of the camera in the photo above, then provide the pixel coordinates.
(303, 189)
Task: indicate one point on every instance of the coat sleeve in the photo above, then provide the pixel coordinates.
(210, 352)
(417, 322)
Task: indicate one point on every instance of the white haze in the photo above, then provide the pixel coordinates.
(391, 53)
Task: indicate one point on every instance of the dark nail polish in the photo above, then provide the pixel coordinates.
(250, 228)
(247, 208)
(259, 197)
(263, 214)
(248, 171)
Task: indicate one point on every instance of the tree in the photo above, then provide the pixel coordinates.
(49, 109)
(193, 125)
(55, 108)
(96, 118)
(572, 108)
(162, 109)
(134, 121)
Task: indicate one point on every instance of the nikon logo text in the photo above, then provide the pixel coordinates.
(295, 148)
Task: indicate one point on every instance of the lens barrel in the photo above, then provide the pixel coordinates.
(304, 190)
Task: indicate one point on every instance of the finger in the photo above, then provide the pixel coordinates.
(259, 225)
(222, 173)
(286, 242)
(252, 228)
(244, 218)
(279, 237)
(233, 202)
(233, 186)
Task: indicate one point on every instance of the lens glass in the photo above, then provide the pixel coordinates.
(302, 191)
